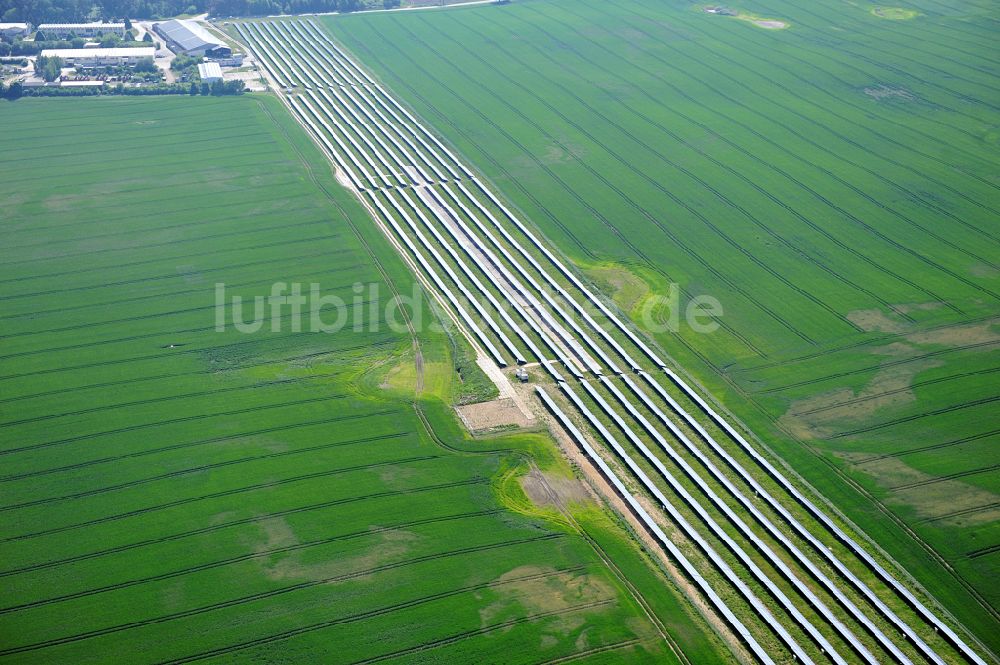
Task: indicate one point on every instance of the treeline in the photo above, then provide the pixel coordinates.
(74, 11)
(217, 89)
(20, 47)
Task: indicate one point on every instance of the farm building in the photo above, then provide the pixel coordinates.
(234, 60)
(60, 30)
(11, 30)
(100, 57)
(81, 84)
(191, 38)
(210, 72)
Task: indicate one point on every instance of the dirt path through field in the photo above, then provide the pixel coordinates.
(418, 362)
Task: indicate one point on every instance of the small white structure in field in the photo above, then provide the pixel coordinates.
(210, 72)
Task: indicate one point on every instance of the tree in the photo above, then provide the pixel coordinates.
(147, 38)
(183, 62)
(128, 24)
(145, 65)
(39, 36)
(72, 11)
(206, 89)
(15, 90)
(48, 67)
(193, 90)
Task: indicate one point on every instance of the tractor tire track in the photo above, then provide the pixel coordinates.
(215, 495)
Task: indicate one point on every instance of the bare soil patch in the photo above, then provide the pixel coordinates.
(983, 270)
(908, 308)
(977, 333)
(379, 549)
(875, 320)
(823, 415)
(547, 594)
(625, 287)
(895, 13)
(540, 486)
(937, 498)
(766, 23)
(887, 92)
(484, 416)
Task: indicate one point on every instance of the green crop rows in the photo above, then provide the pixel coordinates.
(832, 183)
(175, 493)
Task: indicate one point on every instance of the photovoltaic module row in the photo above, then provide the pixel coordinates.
(521, 303)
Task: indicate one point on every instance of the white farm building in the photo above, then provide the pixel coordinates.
(100, 57)
(61, 30)
(11, 30)
(191, 38)
(210, 72)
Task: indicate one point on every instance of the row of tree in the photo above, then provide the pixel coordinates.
(21, 47)
(217, 89)
(73, 11)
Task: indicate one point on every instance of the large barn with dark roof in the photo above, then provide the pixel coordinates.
(191, 38)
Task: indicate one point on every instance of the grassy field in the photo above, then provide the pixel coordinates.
(833, 183)
(173, 493)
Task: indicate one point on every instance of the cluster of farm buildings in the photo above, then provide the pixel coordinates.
(180, 37)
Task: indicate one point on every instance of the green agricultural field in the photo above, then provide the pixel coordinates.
(826, 170)
(174, 493)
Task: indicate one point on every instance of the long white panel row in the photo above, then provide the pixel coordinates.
(511, 282)
(361, 109)
(520, 288)
(755, 602)
(650, 524)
